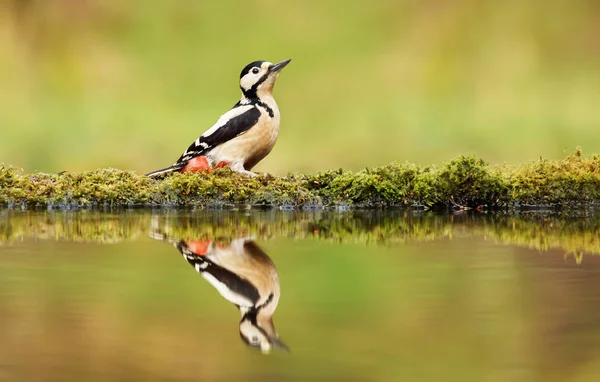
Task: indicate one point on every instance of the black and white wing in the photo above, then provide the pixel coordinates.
(230, 285)
(231, 124)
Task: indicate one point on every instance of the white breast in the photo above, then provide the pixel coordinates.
(253, 145)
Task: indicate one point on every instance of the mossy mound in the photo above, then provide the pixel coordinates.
(466, 182)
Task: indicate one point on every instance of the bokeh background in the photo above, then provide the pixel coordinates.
(129, 84)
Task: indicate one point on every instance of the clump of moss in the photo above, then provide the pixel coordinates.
(469, 181)
(224, 188)
(465, 182)
(573, 180)
(104, 187)
(391, 185)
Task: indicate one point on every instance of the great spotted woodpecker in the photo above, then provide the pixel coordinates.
(244, 135)
(246, 276)
(243, 274)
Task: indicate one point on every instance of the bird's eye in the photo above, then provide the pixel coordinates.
(254, 340)
(255, 71)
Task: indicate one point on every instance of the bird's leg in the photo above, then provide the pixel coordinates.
(222, 164)
(239, 168)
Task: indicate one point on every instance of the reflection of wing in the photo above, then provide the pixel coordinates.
(231, 286)
(246, 259)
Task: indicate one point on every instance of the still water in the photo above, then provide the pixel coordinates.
(293, 296)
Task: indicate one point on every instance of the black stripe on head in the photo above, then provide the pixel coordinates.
(251, 317)
(251, 93)
(251, 65)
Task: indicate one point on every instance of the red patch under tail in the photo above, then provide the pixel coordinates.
(197, 164)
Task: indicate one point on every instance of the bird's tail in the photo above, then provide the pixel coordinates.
(196, 164)
(166, 170)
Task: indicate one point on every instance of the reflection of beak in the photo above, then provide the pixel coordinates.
(279, 345)
(278, 66)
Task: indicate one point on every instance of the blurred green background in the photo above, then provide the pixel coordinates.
(129, 84)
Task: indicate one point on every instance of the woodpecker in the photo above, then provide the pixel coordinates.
(244, 275)
(244, 135)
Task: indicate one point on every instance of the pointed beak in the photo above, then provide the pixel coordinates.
(279, 345)
(278, 66)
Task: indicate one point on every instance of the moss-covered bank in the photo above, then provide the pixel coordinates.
(465, 182)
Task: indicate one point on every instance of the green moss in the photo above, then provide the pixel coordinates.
(573, 180)
(466, 182)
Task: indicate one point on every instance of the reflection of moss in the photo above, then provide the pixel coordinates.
(82, 226)
(537, 231)
(463, 182)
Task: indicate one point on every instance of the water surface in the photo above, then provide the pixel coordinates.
(365, 296)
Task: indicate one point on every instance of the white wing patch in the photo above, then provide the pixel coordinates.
(204, 145)
(235, 298)
(225, 118)
(200, 266)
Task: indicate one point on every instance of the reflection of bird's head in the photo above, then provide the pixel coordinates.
(259, 77)
(258, 331)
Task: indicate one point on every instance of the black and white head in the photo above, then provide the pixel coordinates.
(259, 333)
(258, 78)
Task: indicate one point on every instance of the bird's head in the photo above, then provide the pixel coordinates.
(258, 78)
(259, 333)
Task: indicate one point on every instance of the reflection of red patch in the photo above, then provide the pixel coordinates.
(222, 164)
(199, 247)
(197, 164)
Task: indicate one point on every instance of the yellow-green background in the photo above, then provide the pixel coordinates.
(129, 84)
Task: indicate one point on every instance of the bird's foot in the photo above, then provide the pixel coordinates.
(239, 168)
(247, 173)
(222, 164)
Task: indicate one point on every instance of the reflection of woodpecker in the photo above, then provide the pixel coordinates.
(242, 273)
